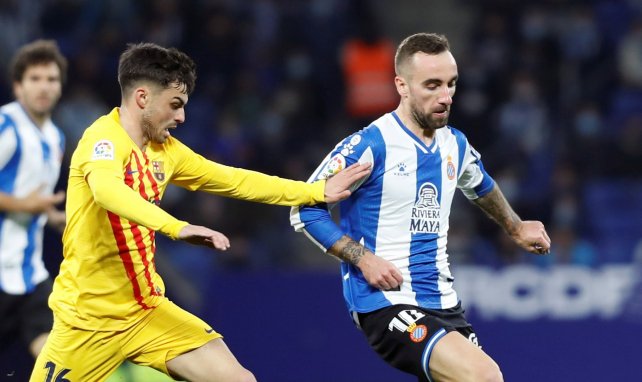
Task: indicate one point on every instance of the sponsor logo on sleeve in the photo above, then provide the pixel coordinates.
(103, 150)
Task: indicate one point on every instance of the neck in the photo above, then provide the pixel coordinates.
(425, 135)
(38, 119)
(132, 126)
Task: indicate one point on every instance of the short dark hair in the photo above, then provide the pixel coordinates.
(156, 64)
(36, 53)
(429, 43)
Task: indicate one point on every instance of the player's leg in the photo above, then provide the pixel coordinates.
(37, 317)
(180, 344)
(36, 345)
(455, 358)
(72, 354)
(211, 362)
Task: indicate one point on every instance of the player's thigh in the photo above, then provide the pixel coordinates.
(211, 362)
(404, 336)
(455, 358)
(165, 334)
(37, 318)
(77, 355)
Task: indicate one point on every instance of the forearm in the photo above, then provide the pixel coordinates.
(249, 185)
(262, 188)
(114, 196)
(495, 205)
(10, 203)
(348, 250)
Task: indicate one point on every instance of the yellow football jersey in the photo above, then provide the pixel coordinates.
(108, 279)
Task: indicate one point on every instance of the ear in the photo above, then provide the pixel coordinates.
(141, 96)
(402, 86)
(17, 89)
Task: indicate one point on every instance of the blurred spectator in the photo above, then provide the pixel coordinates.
(367, 62)
(556, 86)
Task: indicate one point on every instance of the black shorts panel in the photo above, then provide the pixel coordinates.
(25, 317)
(403, 335)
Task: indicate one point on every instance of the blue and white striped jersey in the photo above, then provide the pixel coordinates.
(400, 211)
(29, 158)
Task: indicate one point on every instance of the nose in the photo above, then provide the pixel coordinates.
(446, 96)
(180, 116)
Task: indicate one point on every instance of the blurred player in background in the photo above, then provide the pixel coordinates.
(31, 151)
(108, 300)
(393, 232)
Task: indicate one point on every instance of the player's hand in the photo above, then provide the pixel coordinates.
(37, 203)
(379, 273)
(199, 235)
(56, 219)
(337, 188)
(531, 235)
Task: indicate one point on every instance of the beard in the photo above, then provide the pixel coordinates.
(149, 131)
(426, 121)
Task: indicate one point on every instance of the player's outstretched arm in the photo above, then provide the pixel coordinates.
(200, 235)
(379, 273)
(337, 188)
(530, 235)
(34, 203)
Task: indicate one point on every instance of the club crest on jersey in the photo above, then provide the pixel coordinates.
(158, 170)
(450, 169)
(336, 164)
(103, 150)
(425, 216)
(417, 332)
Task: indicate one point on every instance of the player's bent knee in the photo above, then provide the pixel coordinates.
(490, 372)
(244, 376)
(481, 372)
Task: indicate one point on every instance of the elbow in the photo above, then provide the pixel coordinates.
(100, 196)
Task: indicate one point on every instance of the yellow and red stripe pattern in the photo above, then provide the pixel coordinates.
(136, 243)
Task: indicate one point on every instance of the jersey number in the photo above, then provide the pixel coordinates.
(404, 320)
(60, 377)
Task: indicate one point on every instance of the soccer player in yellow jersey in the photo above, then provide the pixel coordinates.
(108, 301)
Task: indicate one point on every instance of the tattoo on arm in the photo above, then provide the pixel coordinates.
(347, 250)
(495, 205)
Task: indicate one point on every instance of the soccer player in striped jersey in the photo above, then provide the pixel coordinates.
(31, 151)
(108, 300)
(393, 229)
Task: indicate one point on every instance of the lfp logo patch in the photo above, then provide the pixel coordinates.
(334, 166)
(103, 150)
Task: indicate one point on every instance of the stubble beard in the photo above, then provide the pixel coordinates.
(425, 121)
(149, 131)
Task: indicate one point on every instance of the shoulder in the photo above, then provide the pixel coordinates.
(105, 127)
(173, 146)
(6, 122)
(9, 115)
(373, 133)
(451, 134)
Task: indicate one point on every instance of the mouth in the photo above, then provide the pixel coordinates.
(440, 114)
(166, 132)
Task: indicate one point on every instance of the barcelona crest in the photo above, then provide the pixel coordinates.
(158, 170)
